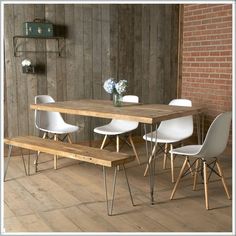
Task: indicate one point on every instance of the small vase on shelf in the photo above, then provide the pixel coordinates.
(117, 99)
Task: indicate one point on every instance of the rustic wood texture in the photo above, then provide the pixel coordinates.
(144, 113)
(71, 199)
(74, 151)
(134, 42)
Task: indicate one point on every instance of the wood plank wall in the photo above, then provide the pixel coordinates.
(134, 42)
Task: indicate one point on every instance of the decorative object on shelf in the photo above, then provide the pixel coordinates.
(117, 89)
(27, 66)
(38, 28)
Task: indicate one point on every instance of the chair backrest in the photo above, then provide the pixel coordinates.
(130, 98)
(183, 126)
(47, 119)
(124, 123)
(217, 136)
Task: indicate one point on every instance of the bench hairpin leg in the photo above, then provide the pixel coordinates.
(113, 189)
(23, 160)
(109, 211)
(29, 163)
(127, 181)
(36, 162)
(8, 160)
(105, 186)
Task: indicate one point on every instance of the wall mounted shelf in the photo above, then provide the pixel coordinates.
(17, 38)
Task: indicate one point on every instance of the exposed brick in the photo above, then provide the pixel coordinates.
(207, 57)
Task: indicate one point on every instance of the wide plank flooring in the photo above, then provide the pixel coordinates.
(72, 199)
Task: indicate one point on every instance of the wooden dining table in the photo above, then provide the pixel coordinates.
(147, 114)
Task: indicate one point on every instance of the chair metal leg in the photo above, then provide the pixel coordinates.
(103, 142)
(109, 211)
(8, 160)
(165, 156)
(205, 184)
(127, 181)
(134, 149)
(178, 179)
(195, 175)
(223, 179)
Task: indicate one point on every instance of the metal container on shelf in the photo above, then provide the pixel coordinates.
(38, 28)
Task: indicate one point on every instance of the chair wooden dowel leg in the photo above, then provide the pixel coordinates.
(147, 166)
(134, 149)
(195, 175)
(165, 156)
(69, 138)
(55, 156)
(150, 159)
(172, 164)
(223, 179)
(179, 177)
(103, 142)
(205, 185)
(44, 136)
(117, 143)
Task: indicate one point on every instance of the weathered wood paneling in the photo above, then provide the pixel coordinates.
(134, 42)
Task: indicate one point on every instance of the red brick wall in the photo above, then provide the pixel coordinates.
(207, 57)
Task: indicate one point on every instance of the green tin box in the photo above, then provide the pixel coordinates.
(38, 28)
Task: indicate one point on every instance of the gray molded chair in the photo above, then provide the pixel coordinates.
(170, 132)
(206, 154)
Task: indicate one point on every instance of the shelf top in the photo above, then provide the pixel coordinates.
(38, 37)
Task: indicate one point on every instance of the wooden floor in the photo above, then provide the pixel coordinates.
(71, 199)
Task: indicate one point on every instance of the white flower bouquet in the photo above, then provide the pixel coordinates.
(117, 89)
(26, 62)
(112, 87)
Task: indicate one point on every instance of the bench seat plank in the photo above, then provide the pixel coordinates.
(74, 151)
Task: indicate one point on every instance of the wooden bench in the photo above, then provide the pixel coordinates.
(92, 155)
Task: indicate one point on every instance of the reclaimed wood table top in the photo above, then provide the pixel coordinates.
(143, 113)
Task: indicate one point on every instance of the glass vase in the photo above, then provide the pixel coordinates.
(117, 100)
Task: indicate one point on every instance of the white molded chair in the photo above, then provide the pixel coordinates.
(118, 127)
(207, 153)
(171, 131)
(52, 123)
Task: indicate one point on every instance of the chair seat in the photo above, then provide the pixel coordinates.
(189, 150)
(66, 128)
(111, 129)
(165, 137)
